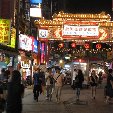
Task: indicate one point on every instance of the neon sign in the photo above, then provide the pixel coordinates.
(42, 59)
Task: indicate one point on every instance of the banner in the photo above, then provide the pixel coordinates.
(13, 38)
(80, 30)
(5, 25)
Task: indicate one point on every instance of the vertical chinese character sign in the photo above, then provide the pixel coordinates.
(5, 25)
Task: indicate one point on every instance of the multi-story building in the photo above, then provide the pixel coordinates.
(49, 7)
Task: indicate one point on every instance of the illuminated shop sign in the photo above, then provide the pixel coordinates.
(35, 46)
(43, 33)
(35, 12)
(81, 30)
(5, 25)
(13, 38)
(42, 59)
(25, 42)
(35, 1)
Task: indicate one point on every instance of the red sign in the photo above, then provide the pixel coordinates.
(98, 46)
(73, 45)
(86, 46)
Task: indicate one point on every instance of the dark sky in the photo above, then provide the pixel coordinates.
(88, 6)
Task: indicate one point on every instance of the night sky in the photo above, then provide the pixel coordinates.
(88, 6)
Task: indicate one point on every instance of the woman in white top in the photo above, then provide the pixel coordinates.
(58, 84)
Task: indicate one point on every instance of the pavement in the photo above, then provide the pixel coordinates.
(68, 102)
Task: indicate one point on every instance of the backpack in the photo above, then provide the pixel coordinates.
(51, 79)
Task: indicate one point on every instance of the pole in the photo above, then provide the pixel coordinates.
(51, 8)
(17, 24)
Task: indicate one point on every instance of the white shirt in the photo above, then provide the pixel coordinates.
(74, 75)
(46, 78)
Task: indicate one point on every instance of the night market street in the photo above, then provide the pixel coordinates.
(68, 105)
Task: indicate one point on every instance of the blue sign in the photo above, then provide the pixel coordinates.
(35, 1)
(35, 49)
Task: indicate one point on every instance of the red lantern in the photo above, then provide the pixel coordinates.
(73, 45)
(86, 46)
(98, 46)
(61, 45)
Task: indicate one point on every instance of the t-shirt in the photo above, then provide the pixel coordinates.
(109, 78)
(37, 79)
(74, 75)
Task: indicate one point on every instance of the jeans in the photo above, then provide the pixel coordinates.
(49, 89)
(37, 90)
(77, 93)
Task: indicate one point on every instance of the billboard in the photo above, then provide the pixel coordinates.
(35, 1)
(35, 12)
(5, 25)
(25, 42)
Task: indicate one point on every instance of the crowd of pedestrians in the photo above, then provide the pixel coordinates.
(12, 89)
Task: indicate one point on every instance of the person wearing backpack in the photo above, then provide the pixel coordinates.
(49, 83)
(78, 83)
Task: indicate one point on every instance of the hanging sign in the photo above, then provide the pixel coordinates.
(25, 42)
(43, 52)
(73, 45)
(5, 31)
(98, 46)
(86, 46)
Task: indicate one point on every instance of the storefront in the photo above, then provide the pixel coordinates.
(27, 56)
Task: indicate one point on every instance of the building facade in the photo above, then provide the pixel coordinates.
(49, 7)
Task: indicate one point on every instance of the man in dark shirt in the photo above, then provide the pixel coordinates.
(37, 84)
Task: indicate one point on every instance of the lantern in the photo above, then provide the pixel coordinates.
(86, 46)
(73, 45)
(60, 45)
(98, 46)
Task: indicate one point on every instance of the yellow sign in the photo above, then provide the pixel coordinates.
(13, 38)
(5, 31)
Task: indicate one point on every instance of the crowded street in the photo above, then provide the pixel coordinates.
(56, 56)
(68, 103)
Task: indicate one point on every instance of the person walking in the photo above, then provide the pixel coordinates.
(2, 101)
(73, 78)
(49, 83)
(59, 78)
(5, 83)
(37, 80)
(100, 79)
(78, 83)
(15, 93)
(93, 83)
(109, 86)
